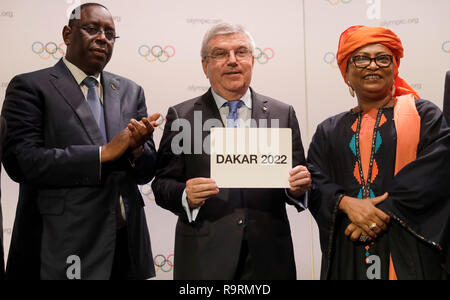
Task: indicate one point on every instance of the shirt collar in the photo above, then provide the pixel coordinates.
(220, 101)
(77, 73)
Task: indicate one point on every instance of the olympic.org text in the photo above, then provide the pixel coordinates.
(409, 21)
(202, 21)
(198, 88)
(226, 289)
(416, 86)
(8, 14)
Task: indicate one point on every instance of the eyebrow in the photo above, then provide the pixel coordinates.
(238, 47)
(376, 54)
(107, 27)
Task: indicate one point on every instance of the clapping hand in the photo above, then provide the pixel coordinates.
(142, 131)
(133, 137)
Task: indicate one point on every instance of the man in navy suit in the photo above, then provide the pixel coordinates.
(78, 161)
(228, 233)
(447, 98)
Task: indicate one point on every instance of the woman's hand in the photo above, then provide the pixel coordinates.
(355, 233)
(364, 214)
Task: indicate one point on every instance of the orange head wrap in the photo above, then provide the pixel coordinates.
(357, 37)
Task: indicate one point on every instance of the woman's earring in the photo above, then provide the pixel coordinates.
(351, 90)
(393, 90)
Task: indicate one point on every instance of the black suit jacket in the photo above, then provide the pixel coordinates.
(2, 261)
(447, 98)
(67, 200)
(209, 248)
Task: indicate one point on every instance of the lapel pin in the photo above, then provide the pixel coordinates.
(264, 108)
(115, 84)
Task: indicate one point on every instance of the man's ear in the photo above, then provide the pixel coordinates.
(67, 35)
(205, 67)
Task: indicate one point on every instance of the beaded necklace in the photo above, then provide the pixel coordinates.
(367, 183)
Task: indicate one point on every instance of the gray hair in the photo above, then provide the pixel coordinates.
(223, 29)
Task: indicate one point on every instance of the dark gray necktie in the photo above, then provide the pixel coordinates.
(95, 104)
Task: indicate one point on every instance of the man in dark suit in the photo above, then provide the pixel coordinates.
(2, 261)
(447, 98)
(78, 161)
(227, 233)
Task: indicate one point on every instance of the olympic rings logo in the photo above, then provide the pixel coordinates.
(48, 50)
(330, 59)
(164, 264)
(147, 192)
(446, 47)
(336, 2)
(263, 56)
(156, 53)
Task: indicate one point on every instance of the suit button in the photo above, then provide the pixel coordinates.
(240, 222)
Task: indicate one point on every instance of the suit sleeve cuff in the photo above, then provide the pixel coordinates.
(301, 203)
(135, 155)
(191, 213)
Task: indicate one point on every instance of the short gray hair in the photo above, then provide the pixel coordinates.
(223, 29)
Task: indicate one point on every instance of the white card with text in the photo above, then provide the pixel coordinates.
(251, 157)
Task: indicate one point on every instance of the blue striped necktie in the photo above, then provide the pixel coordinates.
(232, 119)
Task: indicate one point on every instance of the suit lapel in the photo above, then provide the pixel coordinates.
(66, 85)
(111, 100)
(260, 109)
(208, 107)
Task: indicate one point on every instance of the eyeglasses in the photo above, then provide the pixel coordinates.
(224, 55)
(362, 61)
(95, 31)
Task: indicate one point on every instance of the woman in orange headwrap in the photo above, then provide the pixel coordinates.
(380, 193)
